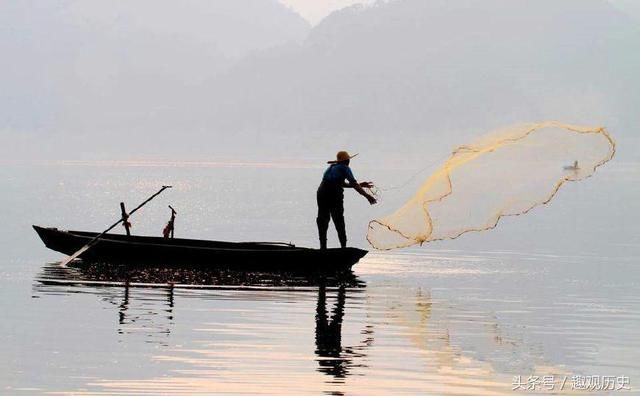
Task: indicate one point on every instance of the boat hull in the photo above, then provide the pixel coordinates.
(156, 251)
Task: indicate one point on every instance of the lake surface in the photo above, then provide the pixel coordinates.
(549, 301)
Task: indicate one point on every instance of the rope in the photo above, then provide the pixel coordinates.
(376, 190)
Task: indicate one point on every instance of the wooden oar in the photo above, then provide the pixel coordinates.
(97, 237)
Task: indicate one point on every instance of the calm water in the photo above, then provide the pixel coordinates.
(554, 293)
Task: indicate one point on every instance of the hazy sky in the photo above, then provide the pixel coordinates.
(314, 10)
(632, 7)
(215, 74)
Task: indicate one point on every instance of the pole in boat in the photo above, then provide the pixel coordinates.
(97, 237)
(167, 232)
(125, 219)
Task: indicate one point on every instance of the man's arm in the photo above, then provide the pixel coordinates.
(361, 184)
(353, 183)
(358, 187)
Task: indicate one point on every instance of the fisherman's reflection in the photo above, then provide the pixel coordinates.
(329, 334)
(333, 358)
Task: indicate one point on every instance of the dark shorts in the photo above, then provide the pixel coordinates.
(330, 197)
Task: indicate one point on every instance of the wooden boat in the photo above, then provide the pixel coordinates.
(158, 251)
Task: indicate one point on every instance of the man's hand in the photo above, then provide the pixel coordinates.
(371, 199)
(366, 184)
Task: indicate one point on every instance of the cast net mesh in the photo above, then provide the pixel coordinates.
(506, 173)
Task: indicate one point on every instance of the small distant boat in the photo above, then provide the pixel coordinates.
(158, 251)
(573, 167)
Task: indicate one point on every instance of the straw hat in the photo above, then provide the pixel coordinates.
(342, 156)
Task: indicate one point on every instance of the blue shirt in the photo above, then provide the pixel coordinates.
(337, 173)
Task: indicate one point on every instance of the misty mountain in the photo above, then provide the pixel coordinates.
(411, 72)
(400, 77)
(88, 65)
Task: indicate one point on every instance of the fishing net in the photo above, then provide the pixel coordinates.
(506, 173)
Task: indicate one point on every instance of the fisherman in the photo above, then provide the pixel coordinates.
(330, 197)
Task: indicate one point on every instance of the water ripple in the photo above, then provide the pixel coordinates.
(407, 324)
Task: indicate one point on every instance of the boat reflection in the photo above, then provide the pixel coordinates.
(127, 316)
(238, 333)
(97, 274)
(146, 300)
